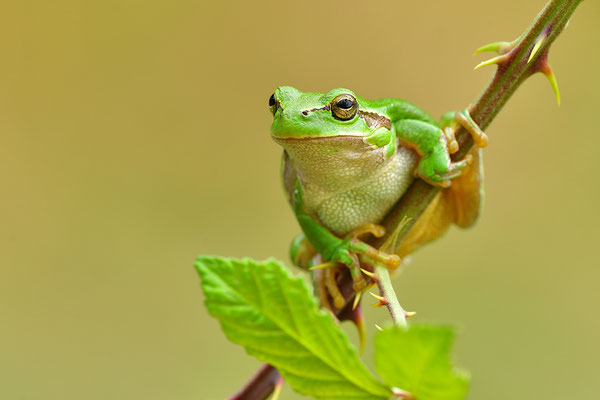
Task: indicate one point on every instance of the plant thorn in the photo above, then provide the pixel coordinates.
(495, 60)
(536, 46)
(326, 265)
(369, 274)
(410, 314)
(496, 47)
(378, 327)
(357, 297)
(547, 71)
(381, 299)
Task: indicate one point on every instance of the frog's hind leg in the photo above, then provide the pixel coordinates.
(459, 204)
(432, 224)
(465, 197)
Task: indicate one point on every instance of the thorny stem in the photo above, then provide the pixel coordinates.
(512, 71)
(386, 290)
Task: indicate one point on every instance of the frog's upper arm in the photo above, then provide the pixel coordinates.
(413, 126)
(400, 110)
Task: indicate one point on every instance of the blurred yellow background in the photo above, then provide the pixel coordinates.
(135, 136)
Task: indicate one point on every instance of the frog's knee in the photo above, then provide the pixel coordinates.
(301, 252)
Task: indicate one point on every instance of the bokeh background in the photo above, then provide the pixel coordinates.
(134, 135)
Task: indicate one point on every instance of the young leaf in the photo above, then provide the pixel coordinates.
(276, 319)
(417, 360)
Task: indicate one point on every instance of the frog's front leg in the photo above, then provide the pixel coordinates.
(337, 250)
(432, 144)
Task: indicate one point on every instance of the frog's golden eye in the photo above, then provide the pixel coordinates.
(273, 104)
(344, 107)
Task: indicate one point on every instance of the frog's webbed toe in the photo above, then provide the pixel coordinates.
(463, 118)
(392, 261)
(325, 274)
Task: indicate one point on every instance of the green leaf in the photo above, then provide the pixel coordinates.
(417, 360)
(275, 317)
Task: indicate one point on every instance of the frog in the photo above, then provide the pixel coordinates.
(346, 162)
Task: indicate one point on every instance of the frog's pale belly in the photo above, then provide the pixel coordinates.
(346, 183)
(370, 202)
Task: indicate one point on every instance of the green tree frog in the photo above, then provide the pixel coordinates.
(347, 161)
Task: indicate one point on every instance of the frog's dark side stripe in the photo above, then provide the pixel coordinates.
(326, 108)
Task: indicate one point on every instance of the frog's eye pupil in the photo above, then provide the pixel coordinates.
(345, 104)
(272, 100)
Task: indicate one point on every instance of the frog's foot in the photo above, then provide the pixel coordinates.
(392, 261)
(322, 278)
(332, 288)
(325, 280)
(347, 252)
(463, 118)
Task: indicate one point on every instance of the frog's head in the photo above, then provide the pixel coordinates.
(325, 133)
(315, 115)
(337, 116)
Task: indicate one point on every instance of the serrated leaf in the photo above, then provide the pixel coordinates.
(417, 360)
(277, 320)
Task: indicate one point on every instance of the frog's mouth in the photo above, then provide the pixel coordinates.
(283, 140)
(324, 144)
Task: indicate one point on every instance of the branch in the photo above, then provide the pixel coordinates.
(514, 67)
(388, 296)
(517, 61)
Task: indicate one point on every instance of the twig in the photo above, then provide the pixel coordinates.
(517, 62)
(388, 295)
(513, 68)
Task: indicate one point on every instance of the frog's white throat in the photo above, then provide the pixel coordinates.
(352, 178)
(330, 162)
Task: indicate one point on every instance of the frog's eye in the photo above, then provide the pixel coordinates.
(344, 107)
(273, 104)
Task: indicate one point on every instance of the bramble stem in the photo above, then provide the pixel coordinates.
(386, 290)
(512, 71)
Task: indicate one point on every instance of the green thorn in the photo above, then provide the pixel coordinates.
(329, 264)
(357, 297)
(495, 60)
(497, 47)
(552, 79)
(536, 47)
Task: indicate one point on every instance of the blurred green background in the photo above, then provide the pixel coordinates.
(135, 136)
